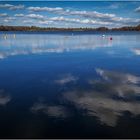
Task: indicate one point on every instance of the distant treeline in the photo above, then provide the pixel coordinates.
(34, 28)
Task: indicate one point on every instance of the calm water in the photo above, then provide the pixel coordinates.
(70, 85)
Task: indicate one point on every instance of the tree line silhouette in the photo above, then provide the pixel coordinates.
(35, 28)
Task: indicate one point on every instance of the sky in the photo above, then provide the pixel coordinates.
(70, 13)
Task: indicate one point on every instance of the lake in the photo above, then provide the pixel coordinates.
(69, 85)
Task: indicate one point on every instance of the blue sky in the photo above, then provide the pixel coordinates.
(70, 13)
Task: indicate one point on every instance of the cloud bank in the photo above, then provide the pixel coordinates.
(68, 16)
(12, 7)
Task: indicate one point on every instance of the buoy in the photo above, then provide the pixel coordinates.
(111, 38)
(103, 35)
(14, 36)
(5, 36)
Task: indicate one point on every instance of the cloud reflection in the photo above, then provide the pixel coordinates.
(100, 102)
(37, 44)
(104, 108)
(4, 98)
(26, 44)
(136, 51)
(67, 78)
(56, 111)
(118, 84)
(118, 77)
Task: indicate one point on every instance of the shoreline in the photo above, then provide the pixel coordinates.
(55, 29)
(72, 33)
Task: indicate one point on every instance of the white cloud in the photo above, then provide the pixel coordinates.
(11, 18)
(81, 21)
(65, 19)
(38, 9)
(92, 17)
(12, 7)
(8, 19)
(35, 16)
(3, 14)
(45, 22)
(59, 10)
(91, 14)
(6, 5)
(28, 21)
(88, 17)
(137, 9)
(19, 15)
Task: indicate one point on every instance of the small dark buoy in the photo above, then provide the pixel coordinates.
(111, 38)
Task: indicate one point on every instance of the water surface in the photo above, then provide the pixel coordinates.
(69, 85)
